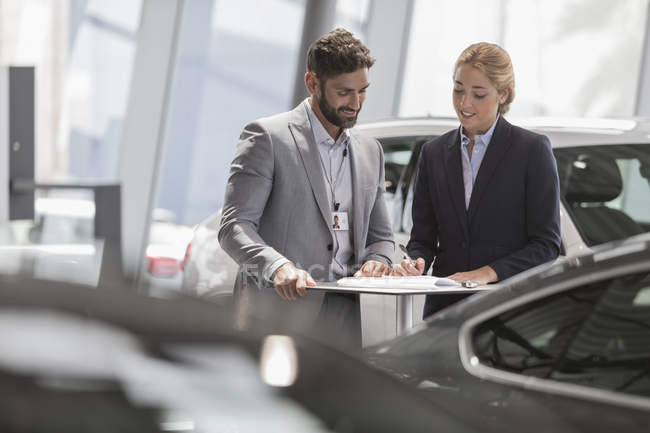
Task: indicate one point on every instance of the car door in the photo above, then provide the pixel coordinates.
(580, 354)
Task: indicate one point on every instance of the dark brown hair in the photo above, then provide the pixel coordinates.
(337, 52)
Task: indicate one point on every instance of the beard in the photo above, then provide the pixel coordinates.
(332, 114)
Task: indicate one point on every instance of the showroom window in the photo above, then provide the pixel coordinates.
(83, 54)
(236, 62)
(571, 58)
(595, 335)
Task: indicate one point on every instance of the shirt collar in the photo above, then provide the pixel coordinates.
(479, 139)
(321, 136)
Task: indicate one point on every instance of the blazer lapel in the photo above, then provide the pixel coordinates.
(304, 138)
(496, 150)
(454, 176)
(359, 201)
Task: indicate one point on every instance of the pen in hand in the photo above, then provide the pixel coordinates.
(406, 254)
(469, 284)
(409, 267)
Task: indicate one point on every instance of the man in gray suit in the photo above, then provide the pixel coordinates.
(304, 199)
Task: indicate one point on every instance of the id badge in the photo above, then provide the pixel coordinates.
(340, 221)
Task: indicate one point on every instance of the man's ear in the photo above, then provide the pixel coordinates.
(311, 82)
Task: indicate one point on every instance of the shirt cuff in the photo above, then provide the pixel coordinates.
(270, 269)
(379, 258)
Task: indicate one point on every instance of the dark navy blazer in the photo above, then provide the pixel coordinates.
(513, 219)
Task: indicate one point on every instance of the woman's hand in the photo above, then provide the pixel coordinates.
(409, 268)
(483, 275)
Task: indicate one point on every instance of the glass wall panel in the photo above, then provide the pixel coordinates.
(352, 15)
(571, 58)
(96, 87)
(82, 51)
(34, 33)
(236, 62)
(83, 54)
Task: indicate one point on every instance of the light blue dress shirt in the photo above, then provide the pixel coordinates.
(471, 166)
(338, 183)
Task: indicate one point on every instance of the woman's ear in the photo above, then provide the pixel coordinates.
(503, 96)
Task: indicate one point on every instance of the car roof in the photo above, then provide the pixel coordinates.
(563, 132)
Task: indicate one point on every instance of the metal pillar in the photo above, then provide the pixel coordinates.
(319, 19)
(404, 313)
(4, 145)
(643, 93)
(17, 120)
(145, 125)
(389, 24)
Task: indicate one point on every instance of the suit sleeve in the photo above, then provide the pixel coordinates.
(424, 234)
(542, 214)
(247, 191)
(379, 243)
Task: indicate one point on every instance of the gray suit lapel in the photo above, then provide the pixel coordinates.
(304, 137)
(360, 196)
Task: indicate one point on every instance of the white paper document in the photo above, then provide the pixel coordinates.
(419, 282)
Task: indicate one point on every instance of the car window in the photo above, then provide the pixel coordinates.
(597, 335)
(400, 156)
(397, 152)
(606, 190)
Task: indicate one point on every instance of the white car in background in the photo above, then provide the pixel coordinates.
(208, 272)
(166, 251)
(602, 163)
(604, 170)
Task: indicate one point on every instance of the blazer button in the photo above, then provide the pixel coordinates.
(463, 245)
(329, 247)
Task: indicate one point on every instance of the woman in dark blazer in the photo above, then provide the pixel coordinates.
(486, 203)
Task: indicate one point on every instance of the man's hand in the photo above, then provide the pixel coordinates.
(373, 268)
(290, 282)
(409, 268)
(483, 275)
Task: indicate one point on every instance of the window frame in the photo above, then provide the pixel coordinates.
(473, 366)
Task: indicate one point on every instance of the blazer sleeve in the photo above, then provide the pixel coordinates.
(424, 234)
(379, 242)
(247, 191)
(542, 214)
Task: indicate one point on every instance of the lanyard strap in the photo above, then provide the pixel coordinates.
(334, 181)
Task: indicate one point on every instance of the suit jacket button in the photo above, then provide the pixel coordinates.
(329, 247)
(463, 245)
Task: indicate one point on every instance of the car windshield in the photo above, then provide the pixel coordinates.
(606, 190)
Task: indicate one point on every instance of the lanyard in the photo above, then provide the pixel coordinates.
(333, 182)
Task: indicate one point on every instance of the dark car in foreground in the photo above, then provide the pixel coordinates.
(77, 359)
(560, 348)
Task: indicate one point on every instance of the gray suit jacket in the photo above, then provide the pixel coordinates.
(276, 202)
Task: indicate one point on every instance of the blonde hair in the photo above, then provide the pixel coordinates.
(495, 63)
